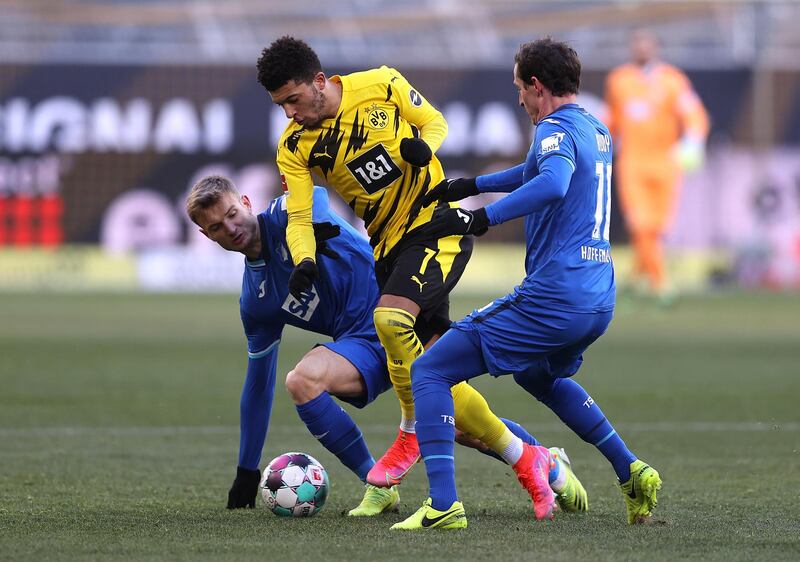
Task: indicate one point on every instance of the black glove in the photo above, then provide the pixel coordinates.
(456, 221)
(245, 488)
(324, 231)
(302, 277)
(415, 151)
(451, 190)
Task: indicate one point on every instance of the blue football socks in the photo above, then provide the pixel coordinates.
(577, 409)
(433, 375)
(336, 430)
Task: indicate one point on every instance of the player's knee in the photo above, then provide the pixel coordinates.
(380, 318)
(303, 383)
(392, 323)
(423, 375)
(295, 383)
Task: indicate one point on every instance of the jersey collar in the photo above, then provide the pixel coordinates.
(262, 228)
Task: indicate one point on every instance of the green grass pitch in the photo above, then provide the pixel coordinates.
(118, 440)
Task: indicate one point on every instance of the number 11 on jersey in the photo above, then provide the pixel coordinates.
(602, 210)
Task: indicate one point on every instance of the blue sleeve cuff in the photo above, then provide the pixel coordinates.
(503, 181)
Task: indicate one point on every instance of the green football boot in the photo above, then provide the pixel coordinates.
(640, 492)
(376, 501)
(428, 518)
(572, 497)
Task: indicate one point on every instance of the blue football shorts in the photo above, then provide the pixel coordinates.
(366, 355)
(516, 335)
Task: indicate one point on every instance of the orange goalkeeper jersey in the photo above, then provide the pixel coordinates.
(650, 109)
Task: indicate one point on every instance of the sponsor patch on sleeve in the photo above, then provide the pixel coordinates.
(552, 143)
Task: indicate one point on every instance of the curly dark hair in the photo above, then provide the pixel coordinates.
(554, 63)
(287, 59)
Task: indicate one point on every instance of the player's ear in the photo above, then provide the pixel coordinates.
(537, 85)
(319, 80)
(246, 202)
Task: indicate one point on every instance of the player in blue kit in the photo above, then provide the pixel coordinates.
(566, 301)
(352, 367)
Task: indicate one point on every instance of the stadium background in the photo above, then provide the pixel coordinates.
(120, 373)
(110, 110)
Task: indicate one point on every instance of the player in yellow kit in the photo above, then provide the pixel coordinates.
(372, 137)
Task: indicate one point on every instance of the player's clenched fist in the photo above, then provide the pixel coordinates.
(457, 221)
(302, 278)
(415, 151)
(451, 190)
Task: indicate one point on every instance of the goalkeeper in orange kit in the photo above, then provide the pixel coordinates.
(659, 127)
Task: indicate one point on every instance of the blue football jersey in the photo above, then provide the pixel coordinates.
(341, 301)
(568, 256)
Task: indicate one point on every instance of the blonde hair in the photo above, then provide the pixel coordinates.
(206, 192)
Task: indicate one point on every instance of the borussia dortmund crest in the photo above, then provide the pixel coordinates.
(377, 117)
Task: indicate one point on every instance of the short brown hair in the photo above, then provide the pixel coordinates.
(554, 63)
(206, 192)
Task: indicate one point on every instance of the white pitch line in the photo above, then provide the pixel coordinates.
(288, 429)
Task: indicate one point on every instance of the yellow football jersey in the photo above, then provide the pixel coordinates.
(358, 155)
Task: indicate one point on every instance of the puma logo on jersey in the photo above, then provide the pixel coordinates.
(322, 154)
(418, 282)
(261, 290)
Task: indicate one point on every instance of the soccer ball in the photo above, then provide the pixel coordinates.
(294, 485)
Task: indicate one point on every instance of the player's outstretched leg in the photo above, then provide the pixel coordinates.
(427, 517)
(435, 373)
(533, 470)
(376, 501)
(640, 492)
(573, 405)
(580, 412)
(395, 328)
(570, 493)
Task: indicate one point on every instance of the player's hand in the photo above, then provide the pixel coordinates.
(415, 151)
(691, 154)
(324, 231)
(451, 190)
(302, 277)
(245, 488)
(456, 221)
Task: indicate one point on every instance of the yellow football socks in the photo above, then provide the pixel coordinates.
(395, 329)
(474, 417)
